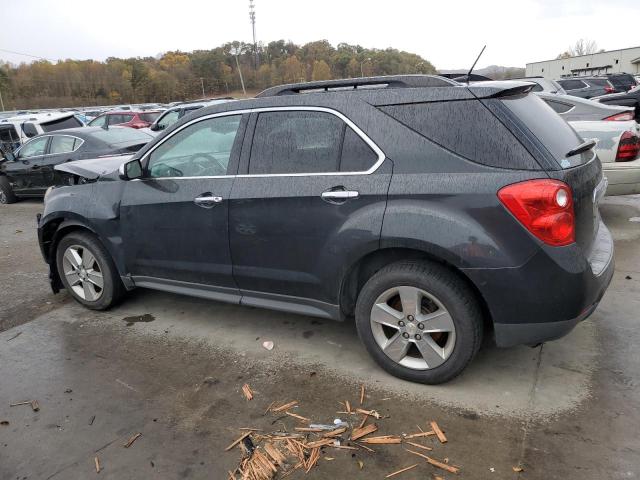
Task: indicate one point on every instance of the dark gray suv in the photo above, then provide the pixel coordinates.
(432, 212)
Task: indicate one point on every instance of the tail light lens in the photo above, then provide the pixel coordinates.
(544, 207)
(609, 89)
(628, 148)
(620, 117)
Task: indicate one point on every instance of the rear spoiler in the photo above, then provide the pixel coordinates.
(499, 89)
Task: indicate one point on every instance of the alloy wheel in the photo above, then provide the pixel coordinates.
(3, 197)
(83, 273)
(413, 328)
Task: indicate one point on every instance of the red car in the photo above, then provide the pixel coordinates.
(126, 119)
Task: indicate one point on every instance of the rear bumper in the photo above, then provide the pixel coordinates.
(624, 177)
(545, 298)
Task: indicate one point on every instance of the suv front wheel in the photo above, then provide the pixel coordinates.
(419, 321)
(87, 271)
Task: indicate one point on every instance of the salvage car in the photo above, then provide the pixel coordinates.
(173, 114)
(17, 129)
(29, 171)
(422, 207)
(587, 87)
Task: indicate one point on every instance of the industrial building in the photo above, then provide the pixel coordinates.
(625, 60)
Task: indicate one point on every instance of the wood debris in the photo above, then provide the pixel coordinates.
(237, 441)
(34, 404)
(131, 440)
(309, 429)
(96, 460)
(284, 407)
(320, 443)
(421, 434)
(357, 433)
(439, 433)
(383, 439)
(436, 463)
(517, 469)
(424, 447)
(335, 433)
(248, 393)
(398, 472)
(312, 460)
(299, 417)
(362, 395)
(370, 413)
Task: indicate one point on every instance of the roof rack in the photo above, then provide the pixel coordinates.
(387, 81)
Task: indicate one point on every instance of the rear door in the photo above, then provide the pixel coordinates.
(175, 219)
(309, 201)
(26, 172)
(61, 149)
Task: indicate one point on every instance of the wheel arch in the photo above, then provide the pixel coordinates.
(367, 265)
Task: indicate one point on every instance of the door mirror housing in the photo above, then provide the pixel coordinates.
(8, 156)
(29, 129)
(130, 170)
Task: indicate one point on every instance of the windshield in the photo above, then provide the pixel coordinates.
(117, 135)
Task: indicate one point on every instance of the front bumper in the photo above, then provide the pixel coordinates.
(545, 298)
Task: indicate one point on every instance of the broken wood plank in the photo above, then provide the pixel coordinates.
(398, 472)
(237, 441)
(313, 459)
(421, 434)
(284, 407)
(299, 417)
(384, 439)
(96, 460)
(439, 433)
(357, 433)
(436, 463)
(274, 453)
(361, 394)
(248, 393)
(364, 420)
(308, 429)
(335, 433)
(132, 439)
(320, 443)
(424, 447)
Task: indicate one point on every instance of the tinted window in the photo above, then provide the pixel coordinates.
(598, 82)
(357, 156)
(468, 129)
(69, 122)
(34, 148)
(199, 150)
(63, 144)
(552, 131)
(537, 88)
(119, 118)
(117, 135)
(559, 107)
(296, 142)
(572, 84)
(169, 119)
(149, 117)
(100, 121)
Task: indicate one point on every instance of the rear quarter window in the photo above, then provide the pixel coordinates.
(467, 128)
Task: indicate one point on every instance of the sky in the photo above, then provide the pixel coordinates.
(447, 33)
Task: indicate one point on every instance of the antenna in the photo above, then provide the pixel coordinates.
(474, 64)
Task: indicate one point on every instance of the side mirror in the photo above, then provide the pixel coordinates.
(9, 156)
(29, 130)
(156, 127)
(130, 170)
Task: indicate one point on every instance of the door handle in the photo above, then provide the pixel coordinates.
(207, 200)
(35, 167)
(339, 196)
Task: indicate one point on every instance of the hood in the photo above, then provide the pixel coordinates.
(93, 168)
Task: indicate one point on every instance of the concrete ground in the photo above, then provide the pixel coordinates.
(568, 409)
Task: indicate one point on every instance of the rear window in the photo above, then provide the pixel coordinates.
(598, 82)
(117, 135)
(468, 129)
(550, 129)
(622, 81)
(572, 84)
(149, 117)
(68, 122)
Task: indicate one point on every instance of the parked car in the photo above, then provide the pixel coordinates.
(131, 119)
(433, 212)
(586, 87)
(627, 99)
(29, 171)
(622, 82)
(580, 109)
(544, 85)
(173, 114)
(17, 129)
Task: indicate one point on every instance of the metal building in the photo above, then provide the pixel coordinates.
(626, 60)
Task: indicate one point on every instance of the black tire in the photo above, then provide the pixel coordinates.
(6, 192)
(112, 289)
(452, 292)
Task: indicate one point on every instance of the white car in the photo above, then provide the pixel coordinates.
(16, 130)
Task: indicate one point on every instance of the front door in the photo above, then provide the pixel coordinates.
(175, 219)
(310, 201)
(25, 173)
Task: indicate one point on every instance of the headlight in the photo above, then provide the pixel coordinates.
(46, 194)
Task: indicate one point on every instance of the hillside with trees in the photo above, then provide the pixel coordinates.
(179, 75)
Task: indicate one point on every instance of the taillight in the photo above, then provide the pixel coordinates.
(609, 89)
(544, 207)
(628, 148)
(620, 117)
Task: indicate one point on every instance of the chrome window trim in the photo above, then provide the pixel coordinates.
(345, 119)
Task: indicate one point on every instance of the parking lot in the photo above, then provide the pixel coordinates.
(566, 409)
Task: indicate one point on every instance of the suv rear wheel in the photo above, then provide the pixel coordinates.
(87, 271)
(419, 321)
(6, 193)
